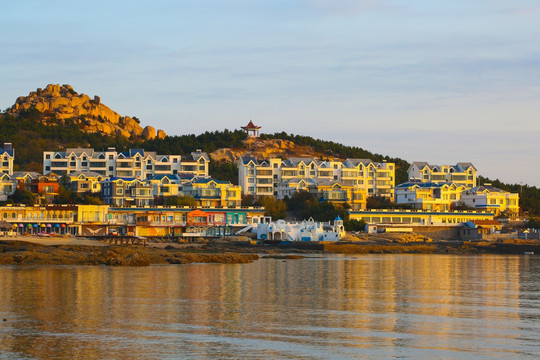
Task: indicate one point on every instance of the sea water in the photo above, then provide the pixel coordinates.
(320, 307)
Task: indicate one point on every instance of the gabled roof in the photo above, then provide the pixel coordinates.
(295, 161)
(160, 177)
(196, 155)
(297, 180)
(118, 178)
(133, 152)
(466, 165)
(485, 189)
(21, 174)
(86, 174)
(247, 159)
(8, 151)
(419, 164)
(79, 151)
(424, 185)
(206, 181)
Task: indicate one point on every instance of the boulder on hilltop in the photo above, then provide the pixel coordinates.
(61, 104)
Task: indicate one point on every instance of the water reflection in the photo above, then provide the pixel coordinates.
(421, 306)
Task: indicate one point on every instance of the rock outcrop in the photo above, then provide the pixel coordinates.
(265, 149)
(60, 104)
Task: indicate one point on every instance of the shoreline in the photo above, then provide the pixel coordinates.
(33, 250)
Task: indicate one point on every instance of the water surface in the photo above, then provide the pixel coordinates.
(371, 306)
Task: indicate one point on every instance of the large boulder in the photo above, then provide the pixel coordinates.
(161, 134)
(149, 133)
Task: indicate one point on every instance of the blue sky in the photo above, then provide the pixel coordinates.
(432, 81)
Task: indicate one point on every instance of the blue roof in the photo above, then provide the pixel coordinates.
(132, 152)
(114, 178)
(206, 181)
(423, 184)
(162, 176)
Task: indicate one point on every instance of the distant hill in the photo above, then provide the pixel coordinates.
(34, 128)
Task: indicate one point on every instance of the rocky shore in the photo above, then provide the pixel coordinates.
(31, 252)
(26, 253)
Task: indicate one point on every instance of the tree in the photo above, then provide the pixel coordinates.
(277, 209)
(180, 201)
(354, 225)
(23, 197)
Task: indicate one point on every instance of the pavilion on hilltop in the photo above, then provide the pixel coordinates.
(251, 129)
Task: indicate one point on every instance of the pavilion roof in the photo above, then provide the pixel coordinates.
(250, 125)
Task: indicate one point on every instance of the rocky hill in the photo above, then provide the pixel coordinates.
(265, 149)
(60, 105)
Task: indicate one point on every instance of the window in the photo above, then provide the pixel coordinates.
(111, 157)
(48, 156)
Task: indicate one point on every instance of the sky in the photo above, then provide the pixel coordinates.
(436, 81)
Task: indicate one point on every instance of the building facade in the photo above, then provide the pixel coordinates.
(126, 192)
(213, 193)
(7, 156)
(262, 178)
(136, 163)
(492, 199)
(325, 190)
(462, 173)
(428, 195)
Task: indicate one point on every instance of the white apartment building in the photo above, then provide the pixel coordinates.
(135, 163)
(462, 173)
(432, 196)
(487, 197)
(7, 156)
(262, 178)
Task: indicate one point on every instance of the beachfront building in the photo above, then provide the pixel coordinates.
(324, 190)
(182, 221)
(86, 181)
(40, 218)
(463, 173)
(306, 230)
(262, 178)
(121, 191)
(7, 156)
(101, 220)
(492, 199)
(428, 195)
(213, 193)
(136, 163)
(418, 217)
